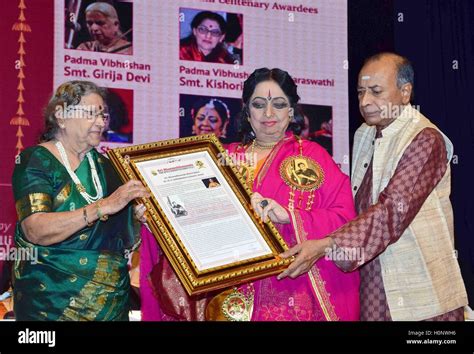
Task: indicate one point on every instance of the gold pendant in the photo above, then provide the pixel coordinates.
(302, 173)
(238, 306)
(231, 305)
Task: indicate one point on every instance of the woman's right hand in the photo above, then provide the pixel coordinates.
(272, 210)
(123, 195)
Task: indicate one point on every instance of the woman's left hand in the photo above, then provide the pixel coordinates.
(140, 212)
(269, 209)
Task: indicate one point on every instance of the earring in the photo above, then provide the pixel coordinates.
(224, 131)
(291, 114)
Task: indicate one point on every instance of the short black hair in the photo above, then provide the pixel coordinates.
(203, 15)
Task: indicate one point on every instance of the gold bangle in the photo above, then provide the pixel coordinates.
(102, 217)
(84, 215)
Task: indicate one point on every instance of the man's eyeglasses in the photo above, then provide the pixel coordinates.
(204, 31)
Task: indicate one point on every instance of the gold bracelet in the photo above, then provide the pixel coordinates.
(84, 215)
(102, 217)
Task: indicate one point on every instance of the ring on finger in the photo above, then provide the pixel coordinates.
(263, 203)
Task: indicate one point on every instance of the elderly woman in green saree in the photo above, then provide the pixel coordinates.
(74, 215)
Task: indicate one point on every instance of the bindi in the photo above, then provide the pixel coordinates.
(269, 97)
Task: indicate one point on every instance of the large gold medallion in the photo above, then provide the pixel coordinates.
(302, 173)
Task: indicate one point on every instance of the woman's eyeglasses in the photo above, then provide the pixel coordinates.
(91, 115)
(204, 31)
(102, 115)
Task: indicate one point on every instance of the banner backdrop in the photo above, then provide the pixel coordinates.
(158, 82)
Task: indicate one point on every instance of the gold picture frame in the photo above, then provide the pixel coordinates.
(171, 171)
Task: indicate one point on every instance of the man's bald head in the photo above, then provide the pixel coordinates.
(402, 66)
(384, 87)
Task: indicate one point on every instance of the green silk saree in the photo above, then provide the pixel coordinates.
(84, 277)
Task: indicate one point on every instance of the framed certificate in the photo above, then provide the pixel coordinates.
(200, 212)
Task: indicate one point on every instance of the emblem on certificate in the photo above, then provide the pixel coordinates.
(200, 213)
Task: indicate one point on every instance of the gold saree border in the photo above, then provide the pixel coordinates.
(317, 283)
(269, 161)
(33, 203)
(93, 296)
(62, 196)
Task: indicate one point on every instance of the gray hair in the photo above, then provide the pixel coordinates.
(104, 8)
(67, 94)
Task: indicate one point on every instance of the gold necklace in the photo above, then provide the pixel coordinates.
(263, 146)
(252, 164)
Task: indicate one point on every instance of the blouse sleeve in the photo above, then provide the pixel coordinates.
(32, 183)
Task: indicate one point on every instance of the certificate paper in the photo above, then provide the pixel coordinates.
(201, 207)
(200, 213)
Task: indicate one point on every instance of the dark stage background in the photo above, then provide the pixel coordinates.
(438, 37)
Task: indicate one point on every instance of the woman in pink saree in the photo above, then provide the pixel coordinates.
(298, 187)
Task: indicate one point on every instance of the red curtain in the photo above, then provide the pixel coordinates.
(26, 72)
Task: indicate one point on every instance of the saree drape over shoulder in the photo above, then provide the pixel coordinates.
(324, 294)
(84, 277)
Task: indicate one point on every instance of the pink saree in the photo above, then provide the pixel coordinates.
(323, 294)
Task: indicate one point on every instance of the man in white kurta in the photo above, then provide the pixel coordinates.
(401, 183)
